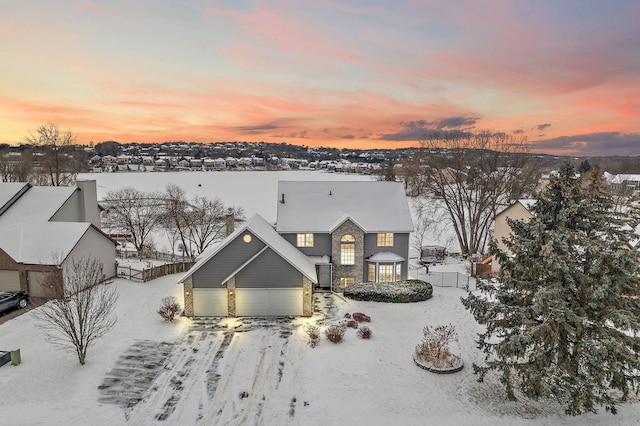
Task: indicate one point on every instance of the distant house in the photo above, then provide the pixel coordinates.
(520, 210)
(328, 235)
(43, 227)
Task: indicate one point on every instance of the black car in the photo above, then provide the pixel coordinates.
(10, 300)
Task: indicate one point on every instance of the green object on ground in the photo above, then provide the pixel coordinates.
(15, 357)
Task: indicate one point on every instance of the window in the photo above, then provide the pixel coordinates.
(347, 250)
(398, 271)
(385, 273)
(372, 273)
(305, 240)
(385, 239)
(345, 281)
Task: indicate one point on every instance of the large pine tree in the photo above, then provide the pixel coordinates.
(564, 318)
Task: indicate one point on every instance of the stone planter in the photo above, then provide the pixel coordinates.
(425, 365)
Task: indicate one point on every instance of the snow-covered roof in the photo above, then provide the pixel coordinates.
(319, 206)
(385, 256)
(10, 190)
(527, 203)
(43, 243)
(27, 235)
(265, 232)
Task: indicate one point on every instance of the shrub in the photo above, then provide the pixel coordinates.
(435, 345)
(360, 317)
(169, 308)
(313, 331)
(352, 324)
(364, 332)
(335, 333)
(396, 292)
(347, 315)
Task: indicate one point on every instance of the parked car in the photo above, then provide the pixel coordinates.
(10, 300)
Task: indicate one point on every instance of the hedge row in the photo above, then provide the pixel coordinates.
(396, 292)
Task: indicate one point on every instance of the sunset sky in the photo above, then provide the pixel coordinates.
(340, 73)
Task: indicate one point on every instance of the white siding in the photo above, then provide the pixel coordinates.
(94, 244)
(268, 301)
(210, 302)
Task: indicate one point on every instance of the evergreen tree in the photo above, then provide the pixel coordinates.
(563, 321)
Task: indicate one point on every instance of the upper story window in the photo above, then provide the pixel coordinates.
(385, 239)
(305, 240)
(347, 250)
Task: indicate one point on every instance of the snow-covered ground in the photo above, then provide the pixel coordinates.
(258, 371)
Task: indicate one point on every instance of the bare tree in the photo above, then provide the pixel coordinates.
(16, 164)
(473, 175)
(81, 309)
(135, 212)
(198, 223)
(58, 161)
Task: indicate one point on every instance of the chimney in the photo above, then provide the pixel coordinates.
(229, 221)
(89, 211)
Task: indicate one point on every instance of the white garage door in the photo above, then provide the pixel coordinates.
(9, 280)
(210, 302)
(268, 301)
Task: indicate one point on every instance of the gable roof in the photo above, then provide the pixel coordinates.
(26, 233)
(259, 227)
(319, 206)
(527, 203)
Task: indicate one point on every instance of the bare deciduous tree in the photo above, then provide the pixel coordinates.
(473, 175)
(135, 212)
(198, 223)
(58, 162)
(81, 309)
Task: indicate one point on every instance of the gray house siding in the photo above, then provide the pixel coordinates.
(400, 247)
(321, 244)
(268, 270)
(226, 261)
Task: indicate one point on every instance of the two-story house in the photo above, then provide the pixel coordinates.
(328, 234)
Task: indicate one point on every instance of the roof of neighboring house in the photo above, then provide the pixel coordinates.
(26, 232)
(321, 206)
(265, 232)
(527, 203)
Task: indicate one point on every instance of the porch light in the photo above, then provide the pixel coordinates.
(187, 293)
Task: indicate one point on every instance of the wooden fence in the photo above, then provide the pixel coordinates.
(148, 274)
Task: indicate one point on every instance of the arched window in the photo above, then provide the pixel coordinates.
(347, 250)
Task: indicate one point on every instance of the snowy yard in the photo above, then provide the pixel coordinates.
(260, 371)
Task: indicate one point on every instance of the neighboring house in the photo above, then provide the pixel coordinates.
(520, 210)
(252, 272)
(42, 227)
(328, 234)
(355, 231)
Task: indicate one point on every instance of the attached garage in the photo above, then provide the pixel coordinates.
(268, 301)
(9, 280)
(252, 272)
(210, 302)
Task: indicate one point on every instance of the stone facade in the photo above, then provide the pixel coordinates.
(231, 294)
(307, 297)
(354, 271)
(188, 297)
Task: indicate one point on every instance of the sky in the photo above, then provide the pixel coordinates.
(334, 73)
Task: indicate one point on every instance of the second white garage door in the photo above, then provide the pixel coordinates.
(210, 302)
(268, 301)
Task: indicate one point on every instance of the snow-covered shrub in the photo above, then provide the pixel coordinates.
(347, 315)
(313, 331)
(364, 332)
(335, 333)
(169, 308)
(434, 347)
(352, 324)
(395, 292)
(360, 317)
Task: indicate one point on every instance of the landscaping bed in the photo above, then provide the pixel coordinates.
(407, 291)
